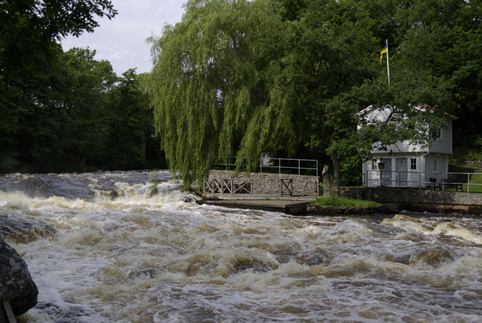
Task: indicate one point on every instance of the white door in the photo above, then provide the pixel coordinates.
(401, 169)
(386, 172)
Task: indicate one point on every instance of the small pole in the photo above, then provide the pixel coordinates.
(388, 65)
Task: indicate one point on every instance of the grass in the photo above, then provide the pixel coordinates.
(343, 201)
(475, 183)
(461, 154)
(475, 178)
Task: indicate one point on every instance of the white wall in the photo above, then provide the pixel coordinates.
(413, 177)
(444, 143)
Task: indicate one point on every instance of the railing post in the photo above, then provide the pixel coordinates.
(299, 166)
(468, 183)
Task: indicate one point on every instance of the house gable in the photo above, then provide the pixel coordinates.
(441, 143)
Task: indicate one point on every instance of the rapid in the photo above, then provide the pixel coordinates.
(102, 248)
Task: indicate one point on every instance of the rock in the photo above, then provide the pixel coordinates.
(327, 182)
(16, 284)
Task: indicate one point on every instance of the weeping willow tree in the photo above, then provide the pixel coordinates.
(211, 84)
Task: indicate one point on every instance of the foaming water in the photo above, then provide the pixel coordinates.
(114, 253)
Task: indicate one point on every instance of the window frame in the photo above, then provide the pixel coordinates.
(374, 164)
(413, 163)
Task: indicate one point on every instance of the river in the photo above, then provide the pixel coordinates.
(102, 249)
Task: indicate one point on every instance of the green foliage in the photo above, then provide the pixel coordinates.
(83, 117)
(87, 84)
(29, 30)
(343, 201)
(154, 183)
(289, 76)
(236, 77)
(292, 9)
(466, 155)
(37, 98)
(128, 124)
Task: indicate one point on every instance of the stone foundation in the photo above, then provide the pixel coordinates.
(421, 200)
(271, 184)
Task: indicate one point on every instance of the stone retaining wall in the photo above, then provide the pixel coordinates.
(421, 200)
(270, 184)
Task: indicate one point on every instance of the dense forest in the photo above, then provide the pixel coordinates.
(288, 76)
(235, 77)
(66, 111)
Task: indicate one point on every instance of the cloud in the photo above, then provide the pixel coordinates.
(122, 40)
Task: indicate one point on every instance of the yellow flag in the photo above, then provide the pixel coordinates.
(384, 50)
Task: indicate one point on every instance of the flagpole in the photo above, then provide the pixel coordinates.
(388, 66)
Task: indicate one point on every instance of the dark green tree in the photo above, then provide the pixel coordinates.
(30, 97)
(329, 52)
(29, 30)
(87, 84)
(130, 127)
(441, 40)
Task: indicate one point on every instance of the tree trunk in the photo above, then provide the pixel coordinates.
(335, 188)
(327, 182)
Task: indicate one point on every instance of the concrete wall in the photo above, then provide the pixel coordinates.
(270, 184)
(421, 200)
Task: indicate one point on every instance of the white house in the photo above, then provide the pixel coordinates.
(404, 164)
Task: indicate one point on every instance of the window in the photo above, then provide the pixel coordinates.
(436, 134)
(413, 163)
(435, 165)
(374, 164)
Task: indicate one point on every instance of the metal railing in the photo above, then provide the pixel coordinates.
(227, 186)
(440, 181)
(270, 165)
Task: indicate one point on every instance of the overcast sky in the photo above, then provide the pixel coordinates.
(122, 40)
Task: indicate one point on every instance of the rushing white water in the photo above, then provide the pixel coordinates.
(101, 249)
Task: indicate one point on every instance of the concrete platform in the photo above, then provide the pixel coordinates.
(288, 204)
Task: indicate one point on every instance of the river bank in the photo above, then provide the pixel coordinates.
(293, 205)
(393, 201)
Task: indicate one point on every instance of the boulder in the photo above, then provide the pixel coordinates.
(16, 284)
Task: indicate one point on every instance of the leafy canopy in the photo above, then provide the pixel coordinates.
(29, 32)
(240, 77)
